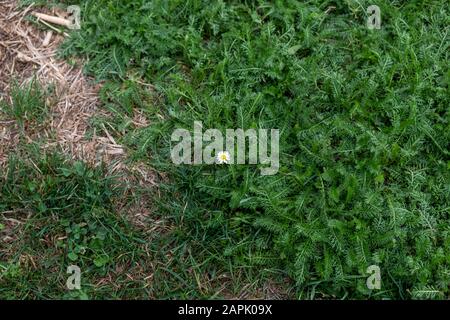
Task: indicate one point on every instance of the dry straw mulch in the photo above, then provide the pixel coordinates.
(27, 52)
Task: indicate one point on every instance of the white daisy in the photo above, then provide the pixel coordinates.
(223, 157)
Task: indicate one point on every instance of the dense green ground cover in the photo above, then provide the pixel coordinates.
(364, 146)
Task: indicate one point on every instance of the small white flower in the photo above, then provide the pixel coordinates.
(223, 157)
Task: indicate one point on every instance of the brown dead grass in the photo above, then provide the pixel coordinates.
(27, 52)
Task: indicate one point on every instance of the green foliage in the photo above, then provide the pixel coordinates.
(27, 104)
(71, 220)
